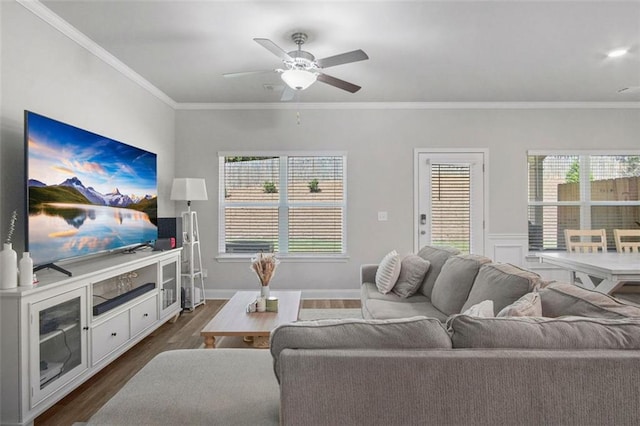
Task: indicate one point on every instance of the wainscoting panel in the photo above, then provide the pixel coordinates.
(508, 248)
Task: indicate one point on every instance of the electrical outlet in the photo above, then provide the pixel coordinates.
(205, 273)
(382, 216)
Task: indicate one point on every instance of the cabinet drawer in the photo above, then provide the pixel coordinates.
(109, 335)
(144, 315)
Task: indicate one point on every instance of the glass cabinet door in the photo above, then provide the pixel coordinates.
(170, 290)
(58, 347)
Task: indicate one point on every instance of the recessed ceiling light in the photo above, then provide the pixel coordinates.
(617, 53)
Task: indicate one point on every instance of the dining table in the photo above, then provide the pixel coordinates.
(603, 272)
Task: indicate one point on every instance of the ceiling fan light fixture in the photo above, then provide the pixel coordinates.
(298, 79)
(617, 53)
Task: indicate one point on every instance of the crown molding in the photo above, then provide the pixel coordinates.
(48, 16)
(404, 105)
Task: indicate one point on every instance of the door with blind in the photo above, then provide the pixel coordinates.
(451, 200)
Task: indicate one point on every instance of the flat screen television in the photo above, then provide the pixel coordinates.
(86, 193)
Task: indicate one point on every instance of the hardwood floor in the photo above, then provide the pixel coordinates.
(83, 402)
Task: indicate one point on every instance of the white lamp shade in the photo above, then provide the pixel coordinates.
(298, 79)
(189, 189)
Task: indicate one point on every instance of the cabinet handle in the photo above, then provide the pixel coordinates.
(145, 315)
(85, 328)
(114, 334)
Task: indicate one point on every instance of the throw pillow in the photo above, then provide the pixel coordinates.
(483, 309)
(454, 282)
(401, 333)
(437, 256)
(503, 283)
(528, 305)
(388, 272)
(412, 271)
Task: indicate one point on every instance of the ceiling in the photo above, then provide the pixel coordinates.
(420, 51)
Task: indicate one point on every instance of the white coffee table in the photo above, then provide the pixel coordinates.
(233, 320)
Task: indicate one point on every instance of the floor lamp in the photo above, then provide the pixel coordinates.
(190, 189)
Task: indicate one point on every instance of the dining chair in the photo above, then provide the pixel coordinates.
(582, 240)
(630, 290)
(627, 246)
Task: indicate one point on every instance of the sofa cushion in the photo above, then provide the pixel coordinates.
(527, 306)
(561, 298)
(503, 283)
(437, 256)
(453, 284)
(388, 271)
(383, 309)
(370, 291)
(412, 271)
(544, 333)
(404, 333)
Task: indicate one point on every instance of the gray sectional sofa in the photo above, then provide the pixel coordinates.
(579, 364)
(452, 284)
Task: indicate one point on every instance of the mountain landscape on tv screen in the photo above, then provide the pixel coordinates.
(72, 191)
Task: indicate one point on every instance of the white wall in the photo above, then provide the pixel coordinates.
(380, 147)
(44, 71)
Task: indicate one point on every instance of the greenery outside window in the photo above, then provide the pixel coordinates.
(581, 190)
(293, 204)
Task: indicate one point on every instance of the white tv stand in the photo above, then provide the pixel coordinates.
(59, 333)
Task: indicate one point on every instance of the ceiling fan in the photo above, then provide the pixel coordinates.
(302, 69)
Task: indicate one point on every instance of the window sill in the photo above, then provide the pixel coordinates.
(312, 258)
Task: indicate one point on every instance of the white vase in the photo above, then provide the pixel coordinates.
(26, 270)
(264, 291)
(9, 266)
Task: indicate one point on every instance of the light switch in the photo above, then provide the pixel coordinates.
(382, 216)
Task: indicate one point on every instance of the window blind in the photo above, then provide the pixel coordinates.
(451, 205)
(316, 196)
(285, 204)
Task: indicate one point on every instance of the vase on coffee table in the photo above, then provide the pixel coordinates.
(264, 291)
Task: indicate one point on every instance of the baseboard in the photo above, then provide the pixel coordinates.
(306, 294)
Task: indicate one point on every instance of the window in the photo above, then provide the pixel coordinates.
(290, 204)
(581, 191)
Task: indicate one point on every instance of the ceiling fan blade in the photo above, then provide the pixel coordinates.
(287, 94)
(336, 82)
(244, 73)
(273, 48)
(343, 58)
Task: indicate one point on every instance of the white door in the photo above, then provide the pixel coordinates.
(450, 200)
